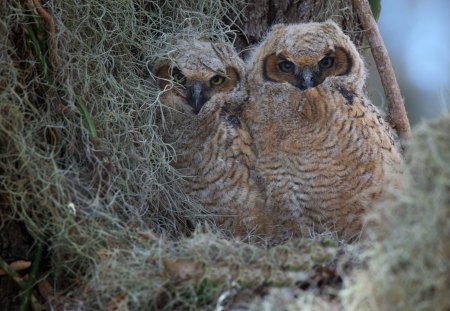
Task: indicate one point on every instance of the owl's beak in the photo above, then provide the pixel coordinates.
(306, 78)
(196, 99)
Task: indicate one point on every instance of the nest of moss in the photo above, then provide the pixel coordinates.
(206, 271)
(86, 181)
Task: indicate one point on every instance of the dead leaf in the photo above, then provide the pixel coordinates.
(18, 265)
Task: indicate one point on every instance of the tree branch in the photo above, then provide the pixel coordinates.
(397, 112)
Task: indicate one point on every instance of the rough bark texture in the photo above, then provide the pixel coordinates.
(397, 112)
(260, 15)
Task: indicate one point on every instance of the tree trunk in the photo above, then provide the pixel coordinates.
(259, 15)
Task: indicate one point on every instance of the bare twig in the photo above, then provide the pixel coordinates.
(397, 112)
(46, 16)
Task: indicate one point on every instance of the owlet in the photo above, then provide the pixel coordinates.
(203, 89)
(322, 148)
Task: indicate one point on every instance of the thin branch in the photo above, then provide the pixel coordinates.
(397, 112)
(46, 16)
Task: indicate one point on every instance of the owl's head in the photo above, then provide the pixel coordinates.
(196, 71)
(307, 55)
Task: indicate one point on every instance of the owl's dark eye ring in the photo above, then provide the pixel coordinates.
(326, 62)
(178, 77)
(286, 66)
(217, 80)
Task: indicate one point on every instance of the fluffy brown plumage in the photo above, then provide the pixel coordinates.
(204, 88)
(323, 149)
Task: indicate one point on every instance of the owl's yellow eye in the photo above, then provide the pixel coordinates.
(286, 66)
(178, 77)
(217, 80)
(326, 62)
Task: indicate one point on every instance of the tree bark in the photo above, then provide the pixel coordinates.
(259, 15)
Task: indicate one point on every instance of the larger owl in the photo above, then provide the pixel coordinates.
(203, 89)
(323, 149)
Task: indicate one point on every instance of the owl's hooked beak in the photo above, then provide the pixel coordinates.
(305, 77)
(308, 77)
(196, 99)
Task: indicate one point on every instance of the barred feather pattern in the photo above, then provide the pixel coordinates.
(214, 150)
(215, 154)
(324, 152)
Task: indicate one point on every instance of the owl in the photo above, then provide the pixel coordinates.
(202, 90)
(323, 150)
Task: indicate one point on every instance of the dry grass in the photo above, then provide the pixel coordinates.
(192, 273)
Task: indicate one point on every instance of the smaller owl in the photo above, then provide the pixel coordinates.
(323, 149)
(203, 89)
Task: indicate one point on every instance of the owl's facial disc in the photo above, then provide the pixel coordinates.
(200, 91)
(196, 89)
(306, 72)
(277, 68)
